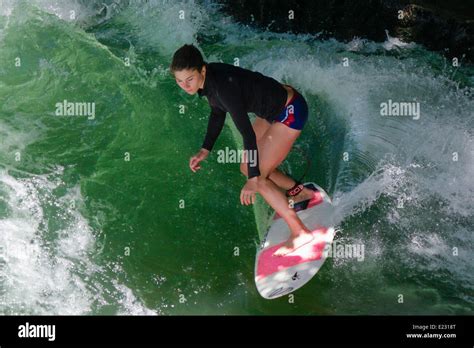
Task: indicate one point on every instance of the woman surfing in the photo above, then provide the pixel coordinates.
(281, 115)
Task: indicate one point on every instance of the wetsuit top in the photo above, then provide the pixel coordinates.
(238, 91)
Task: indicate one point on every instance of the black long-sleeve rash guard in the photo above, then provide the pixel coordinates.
(238, 91)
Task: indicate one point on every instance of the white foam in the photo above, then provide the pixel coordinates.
(37, 281)
(394, 42)
(130, 304)
(443, 251)
(15, 138)
(71, 10)
(427, 244)
(50, 270)
(6, 7)
(157, 24)
(388, 179)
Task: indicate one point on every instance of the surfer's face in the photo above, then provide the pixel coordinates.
(190, 80)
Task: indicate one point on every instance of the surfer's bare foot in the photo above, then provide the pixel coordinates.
(294, 243)
(302, 196)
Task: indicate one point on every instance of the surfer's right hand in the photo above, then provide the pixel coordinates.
(194, 161)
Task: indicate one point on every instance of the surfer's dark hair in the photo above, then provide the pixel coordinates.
(187, 57)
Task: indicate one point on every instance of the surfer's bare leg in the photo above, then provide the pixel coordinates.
(260, 127)
(273, 148)
(286, 183)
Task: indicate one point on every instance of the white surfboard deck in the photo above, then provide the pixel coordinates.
(276, 276)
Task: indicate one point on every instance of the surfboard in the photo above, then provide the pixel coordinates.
(276, 276)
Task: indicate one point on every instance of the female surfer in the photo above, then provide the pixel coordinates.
(281, 115)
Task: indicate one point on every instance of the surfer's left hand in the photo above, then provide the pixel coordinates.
(247, 195)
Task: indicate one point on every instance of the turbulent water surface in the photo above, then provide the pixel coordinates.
(100, 214)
